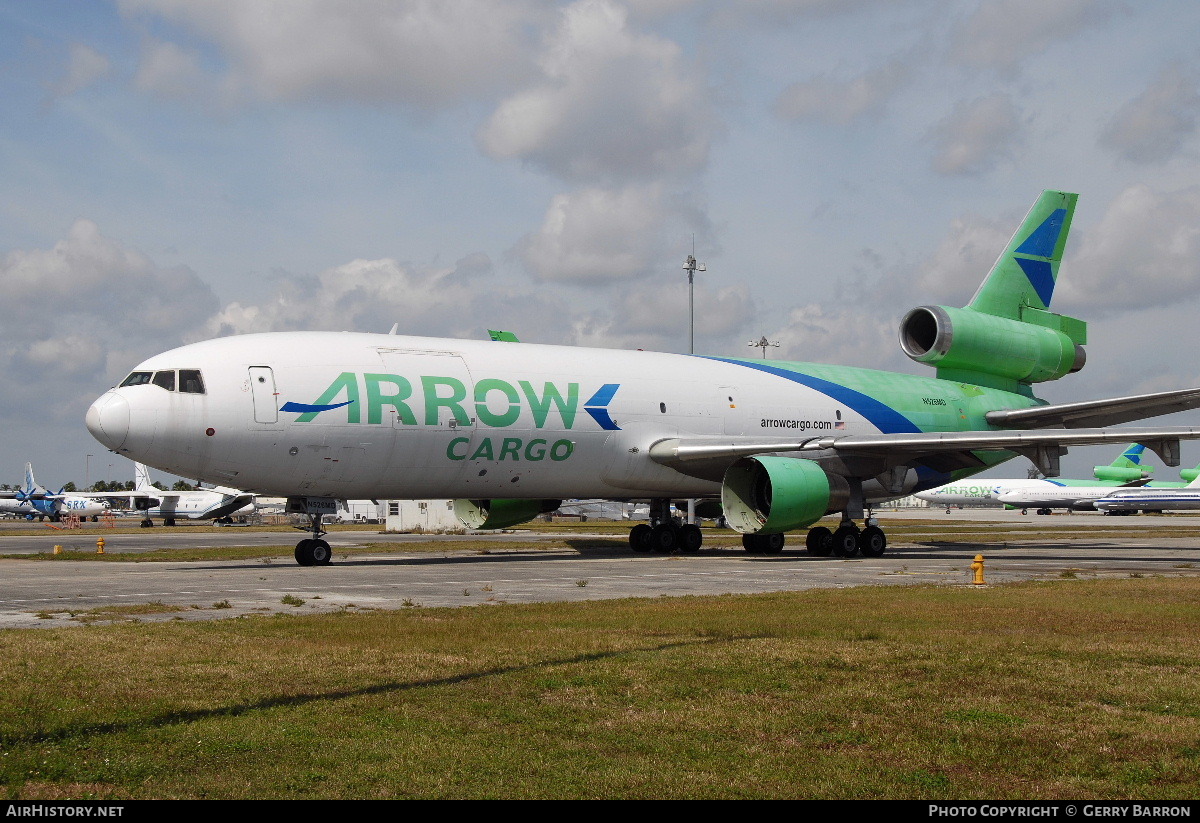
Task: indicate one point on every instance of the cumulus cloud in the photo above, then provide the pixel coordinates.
(1154, 125)
(372, 295)
(85, 68)
(1000, 34)
(842, 101)
(655, 317)
(91, 309)
(169, 70)
(977, 136)
(600, 235)
(612, 104)
(424, 53)
(842, 334)
(1142, 254)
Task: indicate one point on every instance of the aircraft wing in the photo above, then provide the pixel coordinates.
(1042, 446)
(1091, 413)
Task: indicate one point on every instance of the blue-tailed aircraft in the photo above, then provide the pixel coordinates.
(509, 429)
(35, 502)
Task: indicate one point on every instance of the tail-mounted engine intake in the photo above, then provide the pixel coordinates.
(496, 514)
(1121, 474)
(971, 346)
(770, 494)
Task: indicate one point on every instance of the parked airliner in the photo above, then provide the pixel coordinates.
(510, 429)
(33, 501)
(1152, 500)
(217, 504)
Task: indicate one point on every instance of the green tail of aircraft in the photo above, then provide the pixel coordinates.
(1127, 467)
(1006, 337)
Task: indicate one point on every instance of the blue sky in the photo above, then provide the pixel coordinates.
(178, 170)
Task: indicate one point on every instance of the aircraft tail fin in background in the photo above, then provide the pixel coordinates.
(1006, 337)
(1127, 467)
(141, 479)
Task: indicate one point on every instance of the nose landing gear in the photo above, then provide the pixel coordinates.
(314, 551)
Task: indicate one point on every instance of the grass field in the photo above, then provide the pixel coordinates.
(1071, 689)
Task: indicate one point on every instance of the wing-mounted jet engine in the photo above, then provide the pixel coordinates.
(499, 514)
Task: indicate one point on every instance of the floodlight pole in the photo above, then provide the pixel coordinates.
(691, 267)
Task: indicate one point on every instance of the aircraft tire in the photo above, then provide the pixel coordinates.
(772, 543)
(664, 538)
(147, 523)
(639, 538)
(872, 542)
(313, 553)
(845, 541)
(819, 542)
(750, 543)
(690, 538)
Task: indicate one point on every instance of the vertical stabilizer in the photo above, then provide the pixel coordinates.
(1025, 274)
(31, 485)
(141, 478)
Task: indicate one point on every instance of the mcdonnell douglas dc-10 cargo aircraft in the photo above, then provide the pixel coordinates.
(510, 429)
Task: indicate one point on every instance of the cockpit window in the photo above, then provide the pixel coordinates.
(137, 378)
(190, 381)
(166, 379)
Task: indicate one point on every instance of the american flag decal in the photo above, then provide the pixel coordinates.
(840, 424)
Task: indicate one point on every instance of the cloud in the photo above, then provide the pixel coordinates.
(977, 136)
(463, 300)
(600, 235)
(1141, 255)
(90, 309)
(424, 53)
(1000, 34)
(171, 71)
(85, 68)
(1153, 126)
(842, 101)
(611, 105)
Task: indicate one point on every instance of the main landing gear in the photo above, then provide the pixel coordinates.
(847, 540)
(314, 551)
(662, 535)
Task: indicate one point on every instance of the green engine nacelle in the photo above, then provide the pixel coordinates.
(1122, 474)
(767, 495)
(496, 514)
(964, 343)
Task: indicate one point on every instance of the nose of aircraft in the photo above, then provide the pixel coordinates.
(108, 420)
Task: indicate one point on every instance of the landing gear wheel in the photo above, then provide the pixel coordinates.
(764, 543)
(639, 538)
(690, 538)
(663, 538)
(819, 542)
(872, 542)
(845, 541)
(773, 543)
(170, 521)
(313, 553)
(147, 523)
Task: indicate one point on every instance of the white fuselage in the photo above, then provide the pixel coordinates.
(354, 416)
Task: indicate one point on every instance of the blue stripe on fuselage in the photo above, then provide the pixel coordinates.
(881, 415)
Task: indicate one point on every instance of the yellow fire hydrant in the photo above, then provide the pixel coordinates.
(100, 546)
(977, 567)
(57, 549)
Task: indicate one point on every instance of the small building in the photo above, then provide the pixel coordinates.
(431, 516)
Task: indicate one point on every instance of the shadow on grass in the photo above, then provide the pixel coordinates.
(89, 730)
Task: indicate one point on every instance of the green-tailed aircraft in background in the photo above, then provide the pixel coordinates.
(510, 431)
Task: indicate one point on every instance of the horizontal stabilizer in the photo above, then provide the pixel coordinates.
(1093, 413)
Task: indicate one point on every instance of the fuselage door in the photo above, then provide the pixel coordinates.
(266, 398)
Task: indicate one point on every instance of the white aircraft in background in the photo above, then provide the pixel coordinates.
(37, 502)
(509, 429)
(1152, 500)
(1127, 468)
(218, 504)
